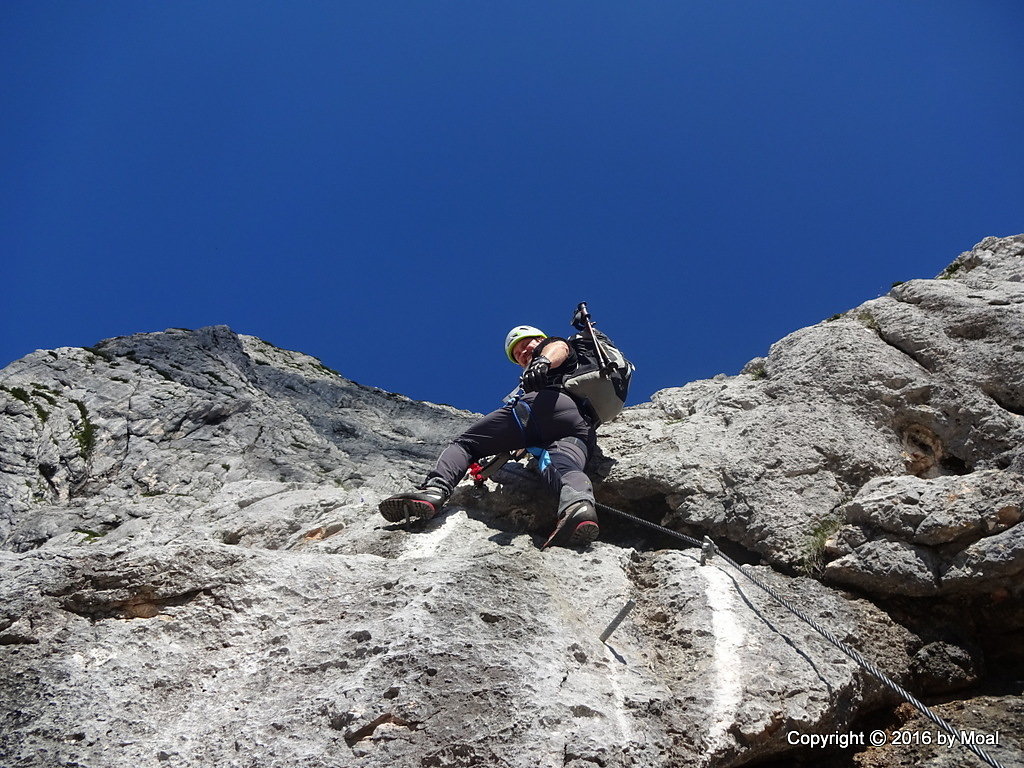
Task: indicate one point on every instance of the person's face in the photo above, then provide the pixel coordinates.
(523, 350)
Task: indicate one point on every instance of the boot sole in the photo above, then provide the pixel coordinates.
(395, 510)
(585, 533)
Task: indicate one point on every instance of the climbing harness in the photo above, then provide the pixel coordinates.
(709, 550)
(521, 411)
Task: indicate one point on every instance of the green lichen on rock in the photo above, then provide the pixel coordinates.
(89, 536)
(325, 368)
(100, 353)
(865, 318)
(18, 393)
(38, 390)
(85, 434)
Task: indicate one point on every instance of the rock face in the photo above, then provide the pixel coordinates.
(194, 573)
(96, 437)
(883, 445)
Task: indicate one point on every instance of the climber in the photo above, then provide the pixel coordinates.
(541, 414)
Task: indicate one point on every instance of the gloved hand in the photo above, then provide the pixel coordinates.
(536, 374)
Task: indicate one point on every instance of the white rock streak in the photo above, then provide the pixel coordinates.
(620, 711)
(727, 685)
(426, 545)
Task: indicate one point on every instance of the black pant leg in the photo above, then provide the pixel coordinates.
(565, 474)
(555, 424)
(567, 435)
(495, 433)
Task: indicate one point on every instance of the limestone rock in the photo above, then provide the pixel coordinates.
(941, 667)
(916, 741)
(90, 437)
(378, 647)
(920, 391)
(194, 572)
(953, 525)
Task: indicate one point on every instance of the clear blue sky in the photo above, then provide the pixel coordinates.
(390, 186)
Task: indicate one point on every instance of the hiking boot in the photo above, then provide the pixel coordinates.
(577, 526)
(423, 503)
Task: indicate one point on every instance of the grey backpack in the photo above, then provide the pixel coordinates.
(604, 391)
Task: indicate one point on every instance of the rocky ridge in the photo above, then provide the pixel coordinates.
(194, 573)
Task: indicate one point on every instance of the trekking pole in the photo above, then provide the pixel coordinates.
(582, 321)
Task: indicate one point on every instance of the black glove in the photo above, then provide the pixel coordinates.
(536, 374)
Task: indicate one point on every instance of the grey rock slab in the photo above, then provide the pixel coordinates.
(742, 669)
(888, 566)
(991, 562)
(993, 261)
(942, 667)
(763, 476)
(459, 641)
(982, 504)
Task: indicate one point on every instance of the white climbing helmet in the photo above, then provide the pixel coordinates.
(519, 333)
